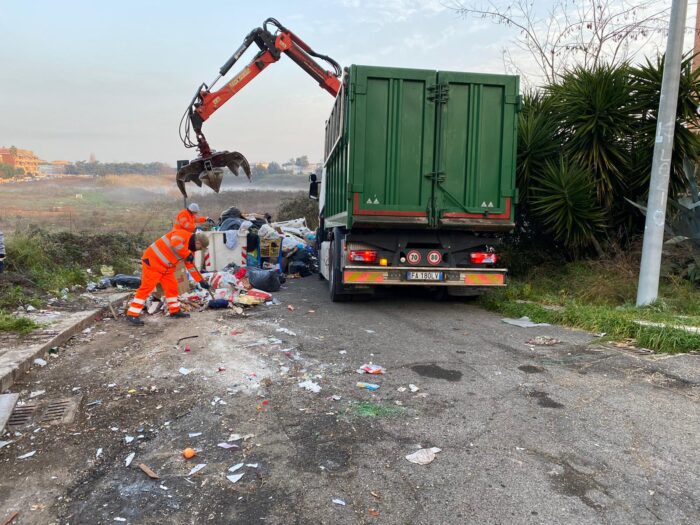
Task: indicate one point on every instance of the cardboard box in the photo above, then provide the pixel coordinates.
(183, 282)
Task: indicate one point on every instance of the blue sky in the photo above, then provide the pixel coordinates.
(113, 77)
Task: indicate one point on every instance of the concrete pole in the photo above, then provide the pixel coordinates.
(648, 289)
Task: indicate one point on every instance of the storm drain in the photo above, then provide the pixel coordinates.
(21, 415)
(49, 412)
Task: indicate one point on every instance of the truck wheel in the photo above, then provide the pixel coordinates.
(335, 283)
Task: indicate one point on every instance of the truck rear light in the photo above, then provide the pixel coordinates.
(367, 256)
(483, 258)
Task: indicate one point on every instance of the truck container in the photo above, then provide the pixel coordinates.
(418, 180)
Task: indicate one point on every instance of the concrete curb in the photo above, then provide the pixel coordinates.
(16, 362)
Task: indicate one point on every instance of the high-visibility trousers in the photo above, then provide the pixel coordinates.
(150, 277)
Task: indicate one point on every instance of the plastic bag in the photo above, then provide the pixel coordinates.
(266, 280)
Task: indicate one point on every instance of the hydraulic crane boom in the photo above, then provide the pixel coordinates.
(208, 167)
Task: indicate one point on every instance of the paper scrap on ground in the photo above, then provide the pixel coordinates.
(523, 322)
(252, 465)
(40, 362)
(233, 478)
(311, 386)
(98, 453)
(194, 434)
(27, 455)
(286, 331)
(235, 467)
(37, 393)
(338, 501)
(184, 371)
(371, 369)
(227, 445)
(413, 388)
(423, 456)
(129, 459)
(196, 469)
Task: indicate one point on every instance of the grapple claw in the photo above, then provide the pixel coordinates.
(209, 170)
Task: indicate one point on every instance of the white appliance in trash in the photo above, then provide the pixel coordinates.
(217, 255)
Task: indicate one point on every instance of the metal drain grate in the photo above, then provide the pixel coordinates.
(50, 412)
(21, 415)
(59, 411)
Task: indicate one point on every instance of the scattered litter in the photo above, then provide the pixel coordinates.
(111, 385)
(5, 443)
(94, 403)
(338, 502)
(311, 386)
(371, 369)
(194, 434)
(128, 439)
(237, 437)
(336, 397)
(236, 467)
(370, 331)
(184, 371)
(290, 307)
(27, 455)
(196, 469)
(129, 459)
(401, 389)
(523, 322)
(286, 331)
(98, 453)
(374, 513)
(343, 352)
(413, 388)
(368, 386)
(189, 453)
(119, 519)
(148, 471)
(234, 478)
(40, 362)
(252, 465)
(227, 446)
(543, 340)
(376, 494)
(37, 393)
(423, 456)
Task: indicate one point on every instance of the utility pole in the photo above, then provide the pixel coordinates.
(648, 289)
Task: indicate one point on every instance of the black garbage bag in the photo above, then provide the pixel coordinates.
(128, 281)
(230, 213)
(265, 280)
(299, 267)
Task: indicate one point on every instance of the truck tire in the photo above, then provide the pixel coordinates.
(335, 283)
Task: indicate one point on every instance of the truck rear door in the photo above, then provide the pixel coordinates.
(392, 133)
(475, 148)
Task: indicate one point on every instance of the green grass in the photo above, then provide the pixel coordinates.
(19, 325)
(368, 409)
(599, 296)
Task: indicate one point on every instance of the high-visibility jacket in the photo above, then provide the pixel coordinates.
(170, 249)
(187, 220)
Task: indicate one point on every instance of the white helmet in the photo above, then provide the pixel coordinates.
(194, 207)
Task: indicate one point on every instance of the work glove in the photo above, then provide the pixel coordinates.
(205, 285)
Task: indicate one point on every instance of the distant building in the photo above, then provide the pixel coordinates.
(56, 167)
(293, 168)
(21, 158)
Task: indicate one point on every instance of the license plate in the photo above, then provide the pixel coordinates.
(424, 276)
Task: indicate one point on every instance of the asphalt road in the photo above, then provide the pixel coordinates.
(575, 432)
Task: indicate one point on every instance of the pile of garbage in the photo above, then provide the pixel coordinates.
(263, 255)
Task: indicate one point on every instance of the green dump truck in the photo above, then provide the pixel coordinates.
(418, 180)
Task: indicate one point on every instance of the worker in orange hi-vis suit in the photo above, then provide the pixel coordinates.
(187, 219)
(158, 266)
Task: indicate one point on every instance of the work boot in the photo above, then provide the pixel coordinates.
(180, 314)
(133, 320)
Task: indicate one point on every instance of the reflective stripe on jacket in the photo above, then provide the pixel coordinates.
(187, 220)
(170, 249)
